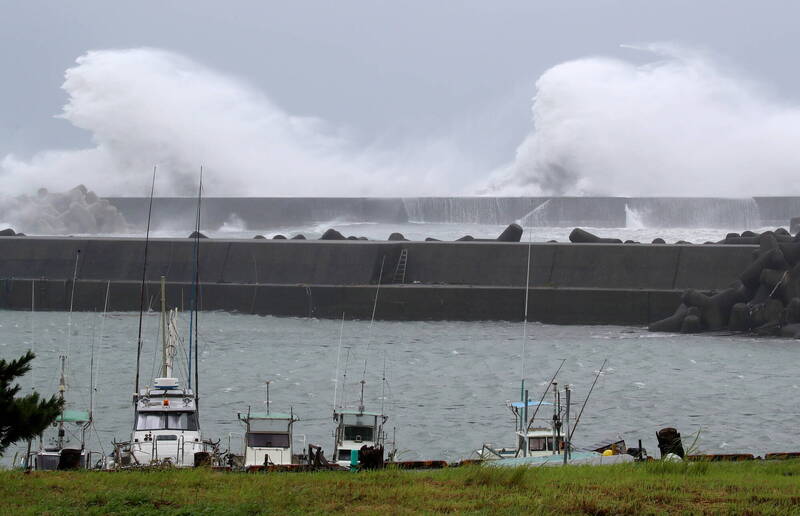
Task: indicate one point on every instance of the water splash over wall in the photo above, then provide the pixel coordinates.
(695, 212)
(633, 219)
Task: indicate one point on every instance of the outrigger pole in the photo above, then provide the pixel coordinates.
(144, 278)
(371, 322)
(522, 395)
(338, 360)
(578, 419)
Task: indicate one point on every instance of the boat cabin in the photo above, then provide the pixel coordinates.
(60, 453)
(542, 440)
(268, 438)
(166, 426)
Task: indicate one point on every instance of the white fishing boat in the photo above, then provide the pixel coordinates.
(359, 436)
(166, 427)
(358, 431)
(551, 444)
(269, 437)
(532, 441)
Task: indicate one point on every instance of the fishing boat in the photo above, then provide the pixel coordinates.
(530, 440)
(268, 438)
(166, 429)
(359, 436)
(65, 446)
(533, 441)
(551, 444)
(166, 421)
(537, 441)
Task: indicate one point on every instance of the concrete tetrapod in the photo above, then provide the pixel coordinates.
(765, 299)
(580, 236)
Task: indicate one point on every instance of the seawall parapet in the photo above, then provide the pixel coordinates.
(570, 283)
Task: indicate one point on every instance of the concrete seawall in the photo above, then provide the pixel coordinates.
(260, 213)
(570, 283)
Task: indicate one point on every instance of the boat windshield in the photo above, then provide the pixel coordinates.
(166, 421)
(540, 444)
(358, 433)
(267, 440)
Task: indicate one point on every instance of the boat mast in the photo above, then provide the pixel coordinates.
(197, 297)
(193, 318)
(102, 333)
(62, 388)
(164, 366)
(62, 382)
(33, 348)
(33, 311)
(141, 287)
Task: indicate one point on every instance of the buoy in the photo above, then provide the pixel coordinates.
(608, 453)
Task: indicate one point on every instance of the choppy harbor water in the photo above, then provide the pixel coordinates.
(447, 381)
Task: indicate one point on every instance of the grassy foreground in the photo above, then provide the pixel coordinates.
(701, 488)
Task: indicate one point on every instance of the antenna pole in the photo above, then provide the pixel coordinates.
(91, 375)
(580, 413)
(551, 382)
(62, 387)
(163, 327)
(141, 288)
(383, 382)
(344, 376)
(267, 400)
(525, 436)
(361, 400)
(567, 433)
(338, 358)
(72, 301)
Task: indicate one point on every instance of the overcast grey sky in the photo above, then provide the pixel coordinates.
(381, 69)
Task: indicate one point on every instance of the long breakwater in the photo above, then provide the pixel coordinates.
(569, 283)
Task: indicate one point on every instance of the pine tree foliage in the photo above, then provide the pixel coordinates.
(25, 417)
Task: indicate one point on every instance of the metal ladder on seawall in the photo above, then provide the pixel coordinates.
(400, 270)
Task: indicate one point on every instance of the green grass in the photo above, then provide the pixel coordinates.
(652, 488)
